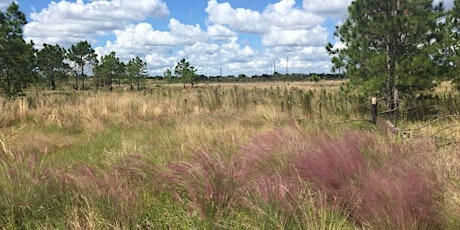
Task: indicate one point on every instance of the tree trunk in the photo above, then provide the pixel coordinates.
(8, 82)
(96, 79)
(76, 82)
(110, 83)
(53, 83)
(391, 87)
(82, 78)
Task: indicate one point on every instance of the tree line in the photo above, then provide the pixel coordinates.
(389, 48)
(21, 65)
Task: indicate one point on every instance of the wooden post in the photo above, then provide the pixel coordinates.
(374, 110)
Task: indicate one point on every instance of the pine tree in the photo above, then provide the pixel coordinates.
(110, 68)
(186, 71)
(51, 62)
(16, 56)
(388, 47)
(81, 54)
(137, 71)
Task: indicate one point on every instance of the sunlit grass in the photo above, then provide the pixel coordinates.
(232, 156)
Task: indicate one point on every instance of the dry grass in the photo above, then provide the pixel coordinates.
(230, 156)
(273, 84)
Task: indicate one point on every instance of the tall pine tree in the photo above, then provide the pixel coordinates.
(450, 54)
(82, 54)
(387, 47)
(51, 62)
(16, 56)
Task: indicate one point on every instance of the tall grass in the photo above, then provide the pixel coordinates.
(216, 157)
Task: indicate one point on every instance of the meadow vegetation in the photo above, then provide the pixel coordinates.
(297, 156)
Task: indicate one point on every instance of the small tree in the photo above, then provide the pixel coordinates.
(137, 72)
(186, 72)
(167, 75)
(50, 61)
(315, 78)
(109, 68)
(81, 54)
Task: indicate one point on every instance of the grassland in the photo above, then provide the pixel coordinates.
(232, 156)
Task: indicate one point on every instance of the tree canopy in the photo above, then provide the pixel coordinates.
(186, 71)
(137, 71)
(51, 62)
(109, 68)
(388, 46)
(16, 56)
(81, 54)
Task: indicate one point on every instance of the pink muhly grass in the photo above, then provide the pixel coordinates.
(397, 196)
(331, 164)
(272, 153)
(211, 183)
(398, 192)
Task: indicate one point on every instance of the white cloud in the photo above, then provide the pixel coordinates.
(4, 4)
(327, 7)
(67, 22)
(448, 4)
(219, 32)
(285, 29)
(282, 37)
(282, 14)
(244, 20)
(179, 29)
(201, 47)
(282, 29)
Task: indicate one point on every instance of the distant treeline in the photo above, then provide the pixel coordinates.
(264, 77)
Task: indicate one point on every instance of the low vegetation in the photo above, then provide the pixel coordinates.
(287, 157)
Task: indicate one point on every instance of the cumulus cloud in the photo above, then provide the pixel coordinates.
(282, 14)
(282, 37)
(219, 32)
(327, 7)
(4, 4)
(243, 20)
(283, 29)
(67, 22)
(143, 37)
(448, 4)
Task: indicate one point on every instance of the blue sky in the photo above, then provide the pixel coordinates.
(237, 36)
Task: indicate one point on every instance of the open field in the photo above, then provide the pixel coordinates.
(230, 156)
(273, 84)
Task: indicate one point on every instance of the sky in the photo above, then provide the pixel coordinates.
(231, 37)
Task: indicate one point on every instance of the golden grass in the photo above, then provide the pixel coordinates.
(273, 84)
(72, 133)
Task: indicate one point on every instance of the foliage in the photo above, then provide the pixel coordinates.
(315, 78)
(137, 72)
(186, 71)
(108, 69)
(51, 62)
(81, 54)
(167, 75)
(449, 55)
(16, 56)
(387, 46)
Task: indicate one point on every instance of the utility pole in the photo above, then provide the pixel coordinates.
(274, 67)
(287, 64)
